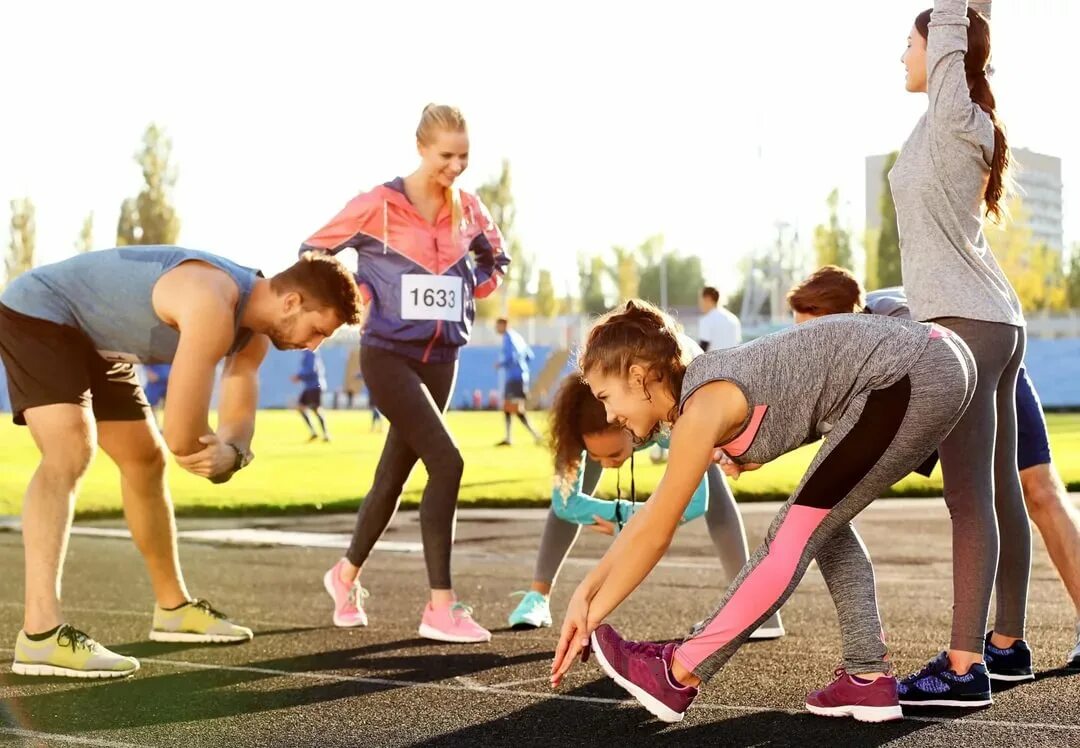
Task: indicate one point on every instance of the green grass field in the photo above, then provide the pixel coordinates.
(290, 475)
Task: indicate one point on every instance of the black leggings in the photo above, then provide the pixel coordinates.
(413, 396)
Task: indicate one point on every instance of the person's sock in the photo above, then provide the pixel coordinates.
(43, 635)
(322, 423)
(507, 417)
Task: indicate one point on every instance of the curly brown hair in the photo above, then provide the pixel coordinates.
(575, 413)
(322, 281)
(638, 333)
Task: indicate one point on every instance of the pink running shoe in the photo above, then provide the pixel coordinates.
(453, 623)
(644, 670)
(866, 701)
(348, 598)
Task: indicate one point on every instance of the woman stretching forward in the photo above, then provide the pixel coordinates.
(883, 393)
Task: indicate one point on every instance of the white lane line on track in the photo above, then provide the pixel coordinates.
(269, 626)
(149, 616)
(502, 689)
(52, 737)
(512, 683)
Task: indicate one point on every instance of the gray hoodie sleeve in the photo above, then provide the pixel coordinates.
(951, 109)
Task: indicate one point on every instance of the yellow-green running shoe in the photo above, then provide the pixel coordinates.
(69, 653)
(196, 621)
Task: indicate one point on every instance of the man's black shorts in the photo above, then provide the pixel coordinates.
(47, 364)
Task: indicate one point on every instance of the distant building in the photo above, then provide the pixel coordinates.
(1038, 178)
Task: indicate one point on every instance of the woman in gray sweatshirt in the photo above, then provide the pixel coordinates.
(950, 175)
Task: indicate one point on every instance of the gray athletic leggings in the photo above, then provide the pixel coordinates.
(413, 396)
(990, 526)
(722, 518)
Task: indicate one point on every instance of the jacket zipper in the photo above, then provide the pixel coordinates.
(431, 343)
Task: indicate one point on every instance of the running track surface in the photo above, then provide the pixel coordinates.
(303, 683)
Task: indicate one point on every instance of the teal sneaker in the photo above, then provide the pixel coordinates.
(532, 612)
(69, 653)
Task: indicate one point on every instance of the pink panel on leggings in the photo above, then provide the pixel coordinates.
(742, 442)
(761, 588)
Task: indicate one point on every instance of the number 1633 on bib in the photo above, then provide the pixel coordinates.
(431, 297)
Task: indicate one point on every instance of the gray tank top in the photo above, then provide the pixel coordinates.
(107, 295)
(799, 381)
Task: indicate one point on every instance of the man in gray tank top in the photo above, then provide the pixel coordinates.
(70, 334)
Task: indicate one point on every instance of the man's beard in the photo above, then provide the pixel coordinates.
(279, 335)
(281, 345)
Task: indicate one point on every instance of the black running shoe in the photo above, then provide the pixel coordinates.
(1012, 664)
(937, 685)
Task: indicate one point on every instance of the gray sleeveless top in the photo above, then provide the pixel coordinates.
(107, 295)
(799, 381)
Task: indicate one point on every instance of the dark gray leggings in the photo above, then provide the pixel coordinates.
(722, 518)
(413, 396)
(991, 534)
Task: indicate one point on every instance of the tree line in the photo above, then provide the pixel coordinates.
(148, 218)
(1043, 280)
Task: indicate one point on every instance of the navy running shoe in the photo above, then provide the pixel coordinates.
(937, 685)
(1012, 664)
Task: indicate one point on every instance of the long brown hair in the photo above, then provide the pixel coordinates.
(638, 333)
(976, 60)
(575, 413)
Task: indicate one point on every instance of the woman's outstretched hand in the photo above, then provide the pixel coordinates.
(574, 640)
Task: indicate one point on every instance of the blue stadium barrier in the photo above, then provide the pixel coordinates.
(1054, 366)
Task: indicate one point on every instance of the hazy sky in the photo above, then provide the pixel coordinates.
(620, 119)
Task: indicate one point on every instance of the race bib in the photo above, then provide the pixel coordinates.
(431, 297)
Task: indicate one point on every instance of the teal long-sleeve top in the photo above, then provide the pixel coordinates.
(572, 503)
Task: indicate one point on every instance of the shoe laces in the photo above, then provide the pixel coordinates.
(357, 594)
(460, 611)
(204, 605)
(524, 593)
(645, 648)
(69, 636)
(931, 668)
